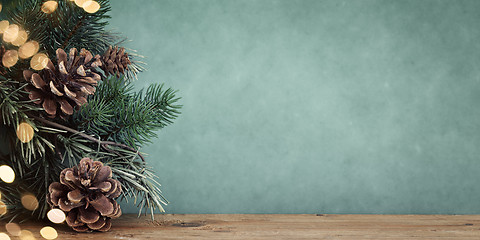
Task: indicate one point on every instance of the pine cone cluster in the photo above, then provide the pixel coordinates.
(66, 85)
(115, 61)
(86, 194)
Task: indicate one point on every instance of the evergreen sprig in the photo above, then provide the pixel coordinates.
(116, 113)
(112, 127)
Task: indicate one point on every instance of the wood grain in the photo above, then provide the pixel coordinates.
(320, 226)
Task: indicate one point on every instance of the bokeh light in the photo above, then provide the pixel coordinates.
(13, 229)
(10, 58)
(21, 38)
(56, 215)
(3, 208)
(4, 236)
(39, 61)
(7, 174)
(28, 49)
(49, 7)
(11, 33)
(29, 202)
(25, 131)
(26, 235)
(80, 2)
(49, 233)
(91, 6)
(4, 25)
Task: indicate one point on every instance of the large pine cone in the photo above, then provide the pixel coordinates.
(115, 61)
(86, 194)
(67, 85)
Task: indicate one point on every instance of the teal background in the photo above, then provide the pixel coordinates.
(293, 106)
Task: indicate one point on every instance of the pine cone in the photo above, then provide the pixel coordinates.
(115, 61)
(67, 85)
(86, 194)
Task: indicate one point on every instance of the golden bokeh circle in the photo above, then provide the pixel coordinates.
(29, 202)
(28, 49)
(48, 233)
(13, 229)
(80, 2)
(39, 61)
(26, 235)
(21, 38)
(4, 25)
(10, 58)
(56, 215)
(3, 208)
(91, 6)
(11, 33)
(25, 131)
(4, 236)
(7, 174)
(49, 7)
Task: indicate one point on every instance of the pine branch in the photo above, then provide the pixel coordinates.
(74, 30)
(138, 182)
(104, 144)
(117, 114)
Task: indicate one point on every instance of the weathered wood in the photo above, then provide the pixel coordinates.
(240, 226)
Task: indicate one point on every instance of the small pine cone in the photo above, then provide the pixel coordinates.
(115, 61)
(86, 194)
(67, 85)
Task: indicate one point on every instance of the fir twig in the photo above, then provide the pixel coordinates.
(74, 30)
(116, 114)
(104, 144)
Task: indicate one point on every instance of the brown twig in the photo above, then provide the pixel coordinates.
(104, 144)
(74, 30)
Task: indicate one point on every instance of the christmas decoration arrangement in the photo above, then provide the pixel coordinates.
(71, 125)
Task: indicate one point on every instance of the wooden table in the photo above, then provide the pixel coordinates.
(240, 226)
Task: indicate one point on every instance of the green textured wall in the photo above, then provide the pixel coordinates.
(314, 106)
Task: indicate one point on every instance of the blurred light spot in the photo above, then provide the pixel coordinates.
(10, 58)
(49, 233)
(39, 61)
(49, 7)
(29, 202)
(11, 33)
(3, 208)
(7, 174)
(26, 235)
(28, 49)
(13, 229)
(91, 6)
(80, 2)
(21, 38)
(24, 130)
(4, 236)
(4, 25)
(56, 215)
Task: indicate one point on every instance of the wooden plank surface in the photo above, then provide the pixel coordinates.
(240, 226)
